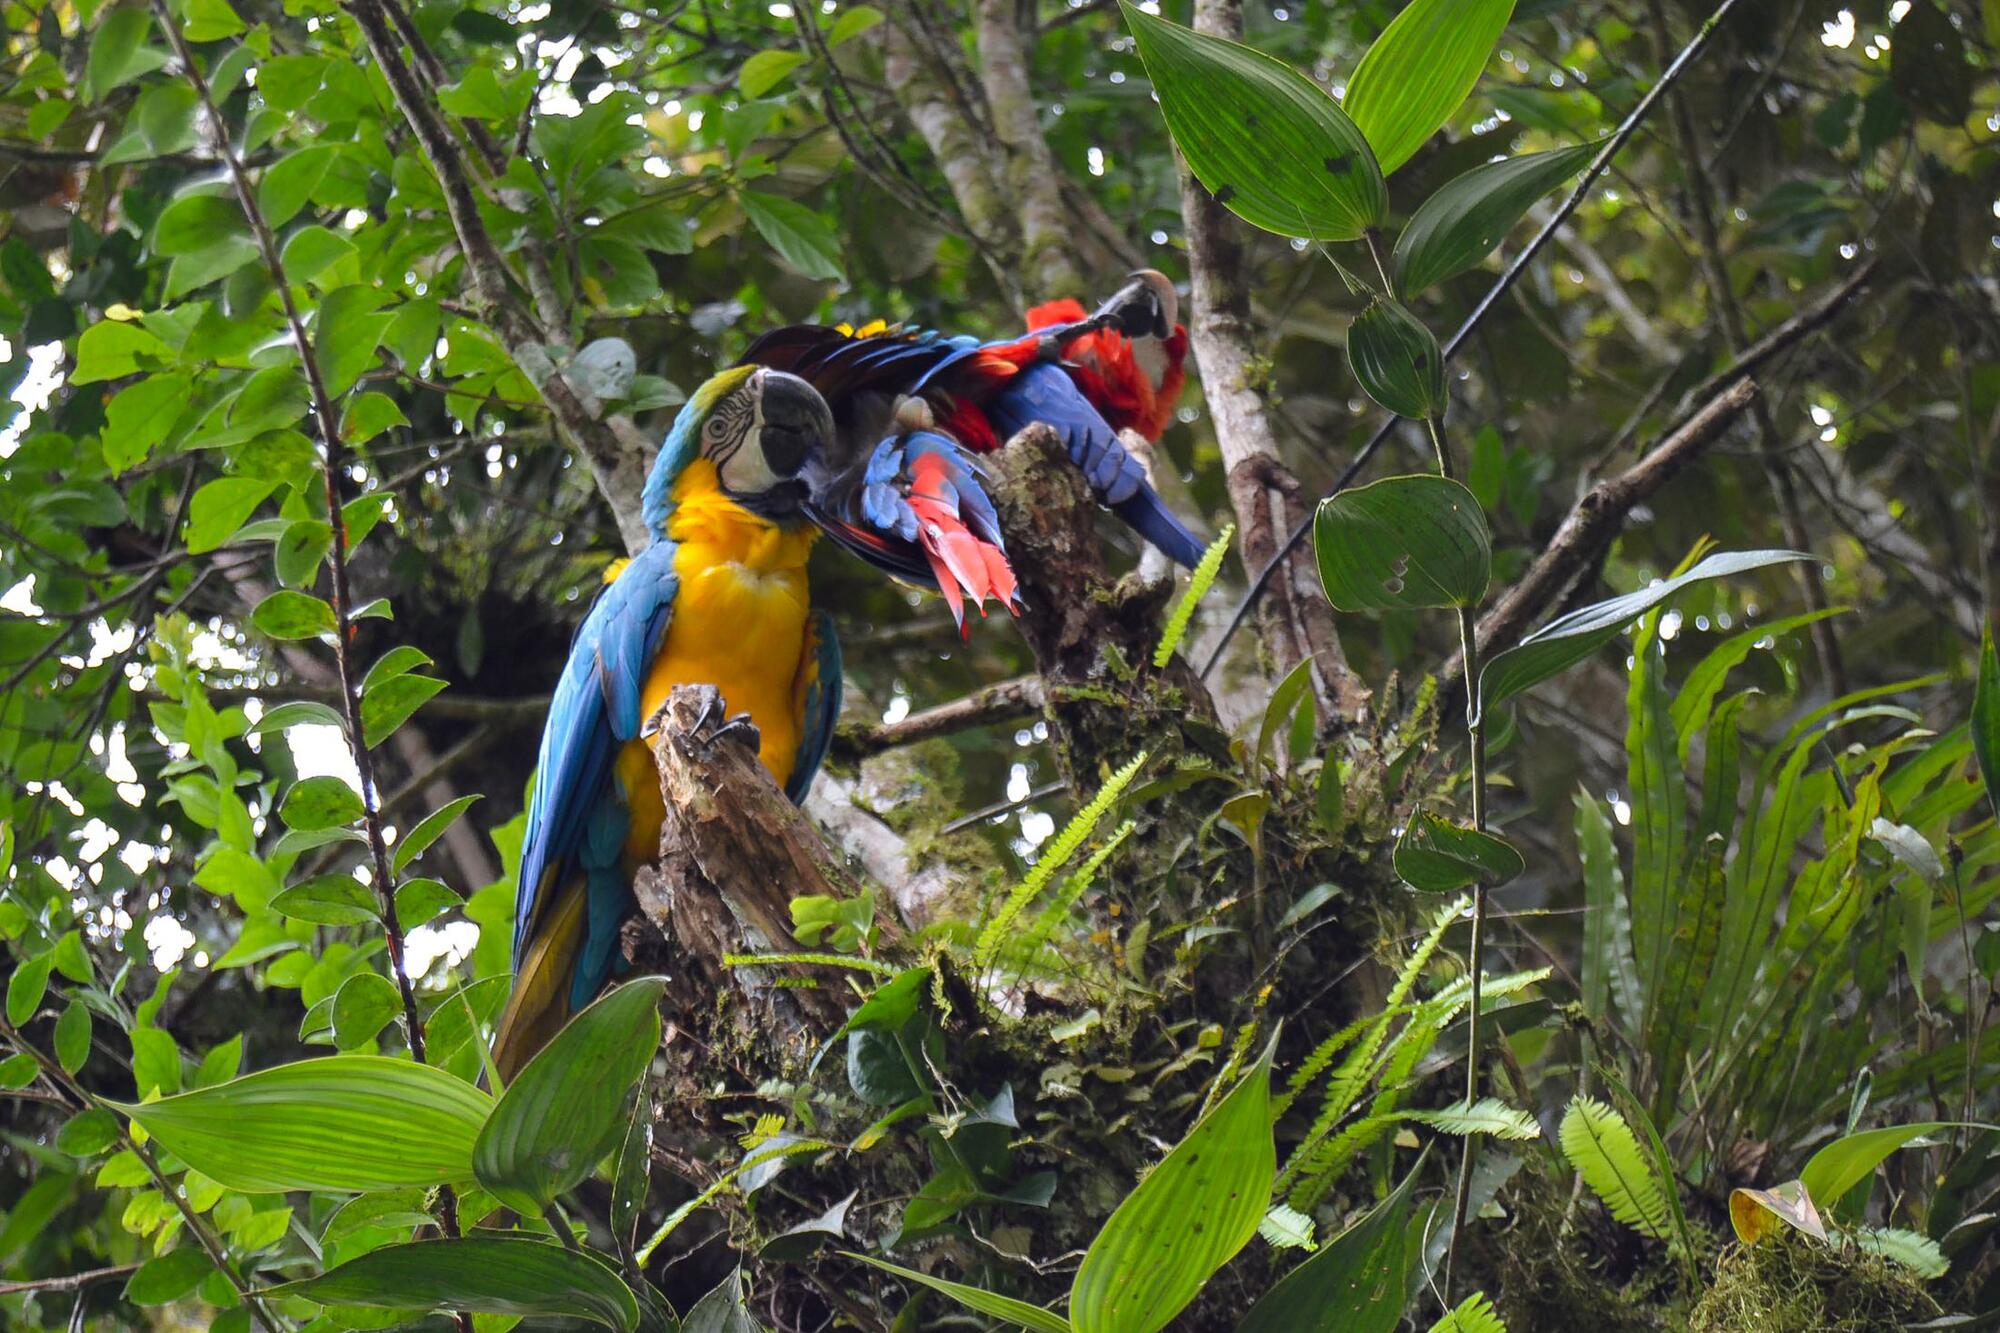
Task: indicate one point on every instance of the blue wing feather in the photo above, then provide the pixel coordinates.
(822, 707)
(576, 803)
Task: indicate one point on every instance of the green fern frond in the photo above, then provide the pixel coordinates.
(1065, 898)
(1203, 579)
(1601, 1146)
(1488, 1115)
(1475, 1314)
(1286, 1228)
(1918, 1253)
(1060, 849)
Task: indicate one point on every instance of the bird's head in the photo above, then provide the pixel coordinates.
(761, 428)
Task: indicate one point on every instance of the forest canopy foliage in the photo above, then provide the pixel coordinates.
(1564, 901)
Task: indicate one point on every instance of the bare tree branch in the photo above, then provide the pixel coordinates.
(1007, 701)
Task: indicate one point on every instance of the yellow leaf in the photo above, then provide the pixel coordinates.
(1756, 1213)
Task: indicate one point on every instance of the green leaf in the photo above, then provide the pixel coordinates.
(722, 1310)
(1467, 218)
(210, 20)
(767, 69)
(1488, 1115)
(419, 901)
(1419, 71)
(195, 222)
(1568, 639)
(368, 415)
(389, 705)
(1434, 855)
(346, 333)
(1266, 141)
(344, 1123)
(427, 831)
(329, 900)
(156, 1061)
(1397, 361)
(287, 614)
(118, 52)
(73, 1037)
(19, 1070)
(220, 507)
(112, 349)
(311, 251)
(1600, 1145)
(1986, 719)
(88, 1133)
(26, 988)
(365, 1003)
(1847, 1161)
(191, 271)
(297, 554)
(1403, 543)
(1019, 1313)
(566, 1109)
(857, 19)
(1354, 1284)
(800, 236)
(299, 713)
(72, 959)
(488, 1274)
(288, 183)
(170, 1277)
(140, 417)
(1186, 1219)
(321, 802)
(1199, 583)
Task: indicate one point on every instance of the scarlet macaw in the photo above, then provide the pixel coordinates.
(718, 598)
(982, 393)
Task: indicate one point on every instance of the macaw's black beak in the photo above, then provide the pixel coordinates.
(1145, 307)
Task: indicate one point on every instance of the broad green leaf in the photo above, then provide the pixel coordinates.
(1186, 1219)
(299, 713)
(1468, 217)
(767, 69)
(170, 1277)
(427, 831)
(344, 1122)
(1600, 1145)
(220, 507)
(112, 349)
(73, 1037)
(1695, 699)
(1609, 970)
(1986, 719)
(1017, 1313)
(195, 222)
(156, 1061)
(1419, 71)
(722, 1310)
(1568, 639)
(288, 183)
(1397, 361)
(19, 1070)
(1270, 144)
(346, 333)
(365, 1004)
(191, 271)
(118, 52)
(311, 251)
(1355, 1283)
(390, 704)
(1847, 1161)
(320, 802)
(296, 556)
(1434, 855)
(486, 1274)
(336, 899)
(88, 1133)
(140, 417)
(800, 236)
(857, 19)
(72, 959)
(422, 900)
(210, 20)
(368, 415)
(26, 988)
(1402, 543)
(566, 1109)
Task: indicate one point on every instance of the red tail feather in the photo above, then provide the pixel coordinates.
(964, 565)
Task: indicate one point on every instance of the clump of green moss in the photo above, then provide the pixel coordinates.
(1789, 1284)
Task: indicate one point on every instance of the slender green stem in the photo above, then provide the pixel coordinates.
(1475, 727)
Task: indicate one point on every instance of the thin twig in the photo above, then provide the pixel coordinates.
(1006, 701)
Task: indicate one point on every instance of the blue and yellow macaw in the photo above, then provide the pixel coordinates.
(719, 598)
(1121, 364)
